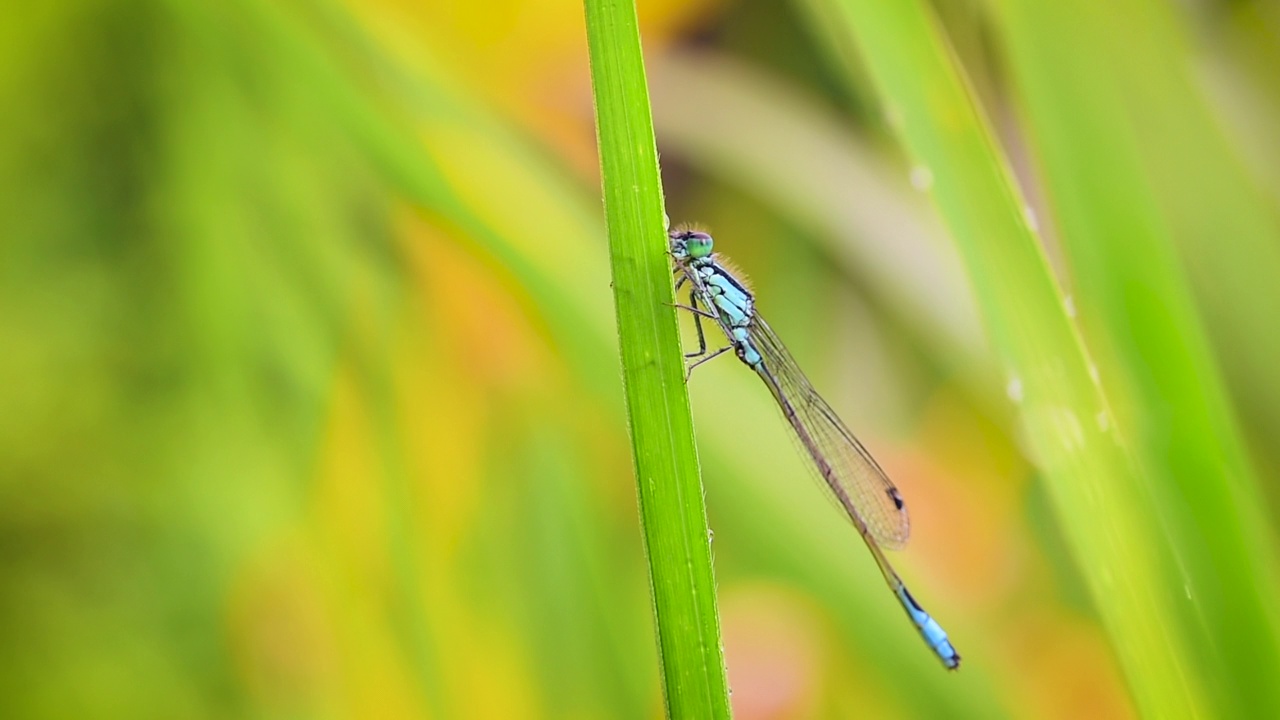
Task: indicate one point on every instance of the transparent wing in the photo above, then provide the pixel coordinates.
(869, 495)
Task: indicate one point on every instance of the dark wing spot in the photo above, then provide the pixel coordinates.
(896, 498)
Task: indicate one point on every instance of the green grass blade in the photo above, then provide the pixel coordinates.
(671, 499)
(1097, 493)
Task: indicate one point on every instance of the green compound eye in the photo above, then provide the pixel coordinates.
(698, 244)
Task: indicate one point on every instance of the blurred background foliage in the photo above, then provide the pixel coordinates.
(309, 404)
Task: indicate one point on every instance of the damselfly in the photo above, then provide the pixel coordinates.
(867, 495)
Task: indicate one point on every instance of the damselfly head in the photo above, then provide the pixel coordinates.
(688, 243)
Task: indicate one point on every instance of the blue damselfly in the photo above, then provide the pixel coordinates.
(861, 488)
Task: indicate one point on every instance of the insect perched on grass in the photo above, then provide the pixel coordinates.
(867, 495)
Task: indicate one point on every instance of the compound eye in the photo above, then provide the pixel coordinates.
(699, 244)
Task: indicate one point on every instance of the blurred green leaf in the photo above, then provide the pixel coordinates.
(1097, 491)
(1115, 129)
